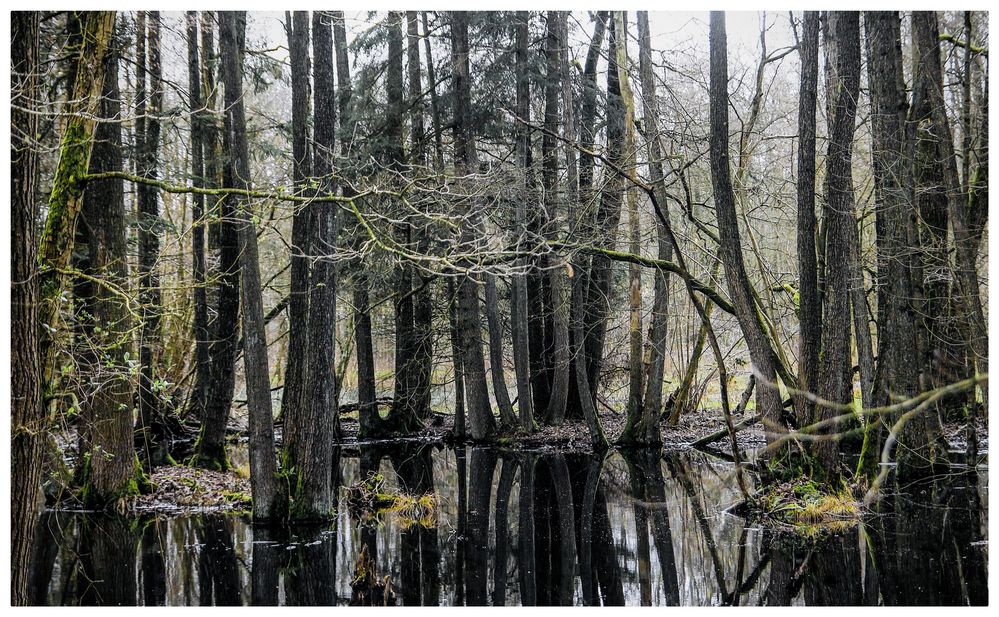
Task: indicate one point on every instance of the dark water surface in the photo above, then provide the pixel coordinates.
(546, 529)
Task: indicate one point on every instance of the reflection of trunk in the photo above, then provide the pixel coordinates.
(50, 534)
(566, 530)
(218, 571)
(265, 560)
(310, 580)
(607, 566)
(832, 577)
(107, 561)
(153, 564)
(648, 486)
(501, 567)
(462, 540)
(546, 536)
(678, 470)
(420, 554)
(785, 580)
(369, 464)
(587, 574)
(482, 465)
(528, 572)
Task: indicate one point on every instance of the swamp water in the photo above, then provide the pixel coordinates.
(530, 528)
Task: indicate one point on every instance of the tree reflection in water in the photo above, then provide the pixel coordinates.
(533, 528)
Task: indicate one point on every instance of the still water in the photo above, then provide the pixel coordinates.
(530, 528)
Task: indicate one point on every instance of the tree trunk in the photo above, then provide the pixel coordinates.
(403, 417)
(368, 417)
(496, 365)
(555, 309)
(641, 425)
(202, 361)
(459, 374)
(518, 298)
(897, 375)
(108, 462)
(768, 400)
(809, 305)
(653, 396)
(151, 414)
(263, 467)
(480, 416)
(835, 370)
(312, 454)
(423, 354)
(209, 449)
(293, 397)
(607, 218)
(65, 199)
(27, 412)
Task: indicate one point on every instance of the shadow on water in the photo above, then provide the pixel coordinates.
(510, 528)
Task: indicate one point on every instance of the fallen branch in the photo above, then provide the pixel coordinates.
(747, 393)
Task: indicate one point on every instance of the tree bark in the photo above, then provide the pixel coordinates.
(403, 418)
(151, 414)
(555, 309)
(263, 466)
(606, 223)
(368, 417)
(210, 447)
(809, 304)
(293, 397)
(768, 400)
(65, 199)
(835, 370)
(108, 463)
(27, 412)
(518, 299)
(312, 456)
(496, 365)
(653, 396)
(897, 375)
(480, 416)
(423, 354)
(202, 361)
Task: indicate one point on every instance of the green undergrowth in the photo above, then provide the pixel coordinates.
(807, 508)
(371, 499)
